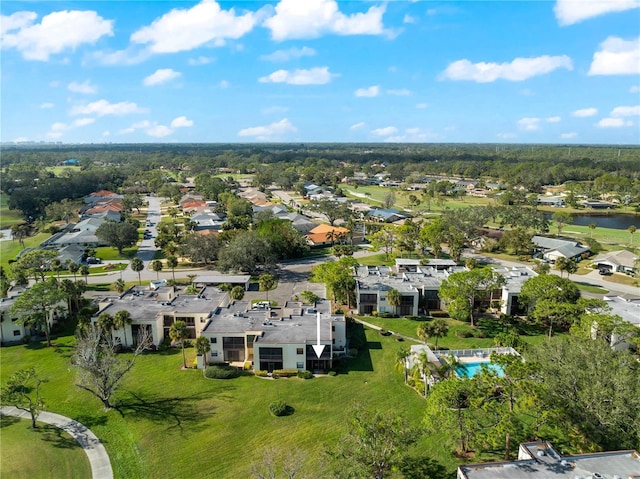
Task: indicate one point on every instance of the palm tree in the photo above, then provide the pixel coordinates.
(424, 332)
(56, 266)
(172, 262)
(422, 367)
(203, 346)
(394, 298)
(84, 271)
(631, 229)
(105, 323)
(73, 269)
(137, 265)
(156, 265)
(179, 332)
(119, 285)
(438, 329)
(121, 320)
(401, 361)
(267, 281)
(592, 227)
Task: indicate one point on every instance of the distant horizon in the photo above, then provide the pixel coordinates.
(321, 71)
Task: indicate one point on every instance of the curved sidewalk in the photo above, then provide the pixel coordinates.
(96, 453)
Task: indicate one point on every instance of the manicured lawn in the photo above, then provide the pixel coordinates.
(43, 452)
(621, 279)
(8, 217)
(108, 253)
(171, 422)
(9, 249)
(590, 288)
(378, 259)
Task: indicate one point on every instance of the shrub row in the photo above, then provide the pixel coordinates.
(221, 372)
(305, 374)
(284, 373)
(261, 373)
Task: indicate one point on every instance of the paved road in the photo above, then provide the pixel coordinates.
(96, 453)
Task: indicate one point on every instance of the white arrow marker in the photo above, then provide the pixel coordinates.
(318, 348)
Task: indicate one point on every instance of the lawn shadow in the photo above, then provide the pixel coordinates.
(178, 412)
(54, 435)
(6, 421)
(91, 421)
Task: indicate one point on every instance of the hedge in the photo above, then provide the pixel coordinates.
(221, 372)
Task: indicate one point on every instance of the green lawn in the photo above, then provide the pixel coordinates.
(9, 249)
(590, 288)
(109, 253)
(44, 452)
(170, 421)
(7, 217)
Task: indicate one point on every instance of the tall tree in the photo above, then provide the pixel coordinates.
(172, 262)
(402, 355)
(36, 262)
(121, 320)
(99, 367)
(137, 265)
(38, 305)
(203, 346)
(156, 265)
(394, 298)
(385, 239)
(631, 229)
(23, 391)
(179, 332)
(375, 443)
(561, 219)
(267, 282)
(119, 235)
(437, 329)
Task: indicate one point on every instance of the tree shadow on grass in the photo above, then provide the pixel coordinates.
(423, 468)
(92, 421)
(55, 436)
(178, 412)
(6, 421)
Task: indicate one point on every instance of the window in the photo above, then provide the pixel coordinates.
(333, 328)
(214, 354)
(214, 340)
(16, 332)
(299, 350)
(382, 298)
(299, 365)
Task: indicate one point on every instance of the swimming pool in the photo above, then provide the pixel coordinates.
(474, 368)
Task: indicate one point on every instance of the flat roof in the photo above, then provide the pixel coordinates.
(222, 278)
(546, 463)
(238, 318)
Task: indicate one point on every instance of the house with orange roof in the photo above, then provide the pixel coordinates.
(324, 234)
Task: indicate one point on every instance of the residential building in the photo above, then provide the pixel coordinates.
(539, 460)
(554, 248)
(622, 261)
(324, 234)
(10, 331)
(386, 215)
(158, 309)
(556, 201)
(239, 333)
(628, 308)
(82, 234)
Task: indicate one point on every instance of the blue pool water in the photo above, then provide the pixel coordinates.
(474, 368)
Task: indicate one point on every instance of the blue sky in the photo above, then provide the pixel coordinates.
(565, 71)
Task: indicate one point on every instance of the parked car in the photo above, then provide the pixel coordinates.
(605, 272)
(93, 260)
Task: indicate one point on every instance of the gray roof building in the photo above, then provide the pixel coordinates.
(539, 460)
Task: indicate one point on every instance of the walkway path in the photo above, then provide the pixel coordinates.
(96, 453)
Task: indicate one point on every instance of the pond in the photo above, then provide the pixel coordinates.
(619, 221)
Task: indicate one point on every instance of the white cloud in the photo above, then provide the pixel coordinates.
(224, 84)
(617, 57)
(57, 129)
(569, 12)
(203, 24)
(269, 132)
(517, 70)
(613, 123)
(568, 136)
(368, 92)
(506, 136)
(106, 133)
(292, 53)
(529, 124)
(129, 56)
(46, 105)
(584, 112)
(386, 131)
(421, 106)
(357, 126)
(201, 60)
(181, 122)
(553, 119)
(408, 19)
(159, 131)
(313, 18)
(634, 89)
(103, 107)
(621, 111)
(313, 76)
(57, 32)
(160, 76)
(85, 87)
(399, 92)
